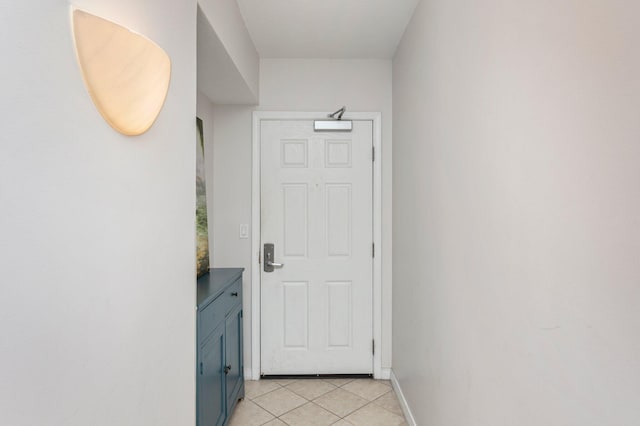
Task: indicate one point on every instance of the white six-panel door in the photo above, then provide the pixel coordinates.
(316, 208)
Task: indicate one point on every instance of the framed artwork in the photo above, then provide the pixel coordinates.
(202, 227)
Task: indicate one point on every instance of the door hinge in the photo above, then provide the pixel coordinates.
(201, 369)
(259, 257)
(241, 314)
(373, 153)
(373, 249)
(373, 347)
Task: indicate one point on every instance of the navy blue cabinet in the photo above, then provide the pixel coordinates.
(233, 339)
(211, 383)
(220, 382)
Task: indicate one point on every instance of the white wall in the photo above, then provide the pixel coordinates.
(232, 200)
(97, 230)
(294, 85)
(516, 206)
(219, 78)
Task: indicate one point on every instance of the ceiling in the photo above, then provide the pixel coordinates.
(326, 28)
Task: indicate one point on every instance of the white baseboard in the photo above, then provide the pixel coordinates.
(403, 402)
(385, 374)
(248, 374)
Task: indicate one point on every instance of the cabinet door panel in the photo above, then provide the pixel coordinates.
(233, 295)
(211, 316)
(233, 337)
(211, 392)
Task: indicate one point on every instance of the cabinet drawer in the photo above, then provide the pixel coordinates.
(212, 315)
(233, 296)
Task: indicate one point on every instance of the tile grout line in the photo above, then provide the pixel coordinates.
(312, 401)
(286, 412)
(266, 393)
(371, 403)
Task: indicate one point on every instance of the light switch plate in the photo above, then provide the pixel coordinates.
(244, 231)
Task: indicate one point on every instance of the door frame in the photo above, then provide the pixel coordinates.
(256, 328)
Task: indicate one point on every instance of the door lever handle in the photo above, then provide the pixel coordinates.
(269, 254)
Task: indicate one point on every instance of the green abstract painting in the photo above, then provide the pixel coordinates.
(202, 228)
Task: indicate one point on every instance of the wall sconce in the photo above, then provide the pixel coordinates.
(126, 74)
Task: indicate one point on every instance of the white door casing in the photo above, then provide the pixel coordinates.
(317, 208)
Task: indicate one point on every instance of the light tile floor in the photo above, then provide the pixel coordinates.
(318, 402)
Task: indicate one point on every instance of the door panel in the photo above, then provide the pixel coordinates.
(338, 205)
(316, 208)
(211, 393)
(233, 336)
(295, 220)
(339, 313)
(295, 304)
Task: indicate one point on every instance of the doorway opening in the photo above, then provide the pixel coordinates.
(343, 331)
